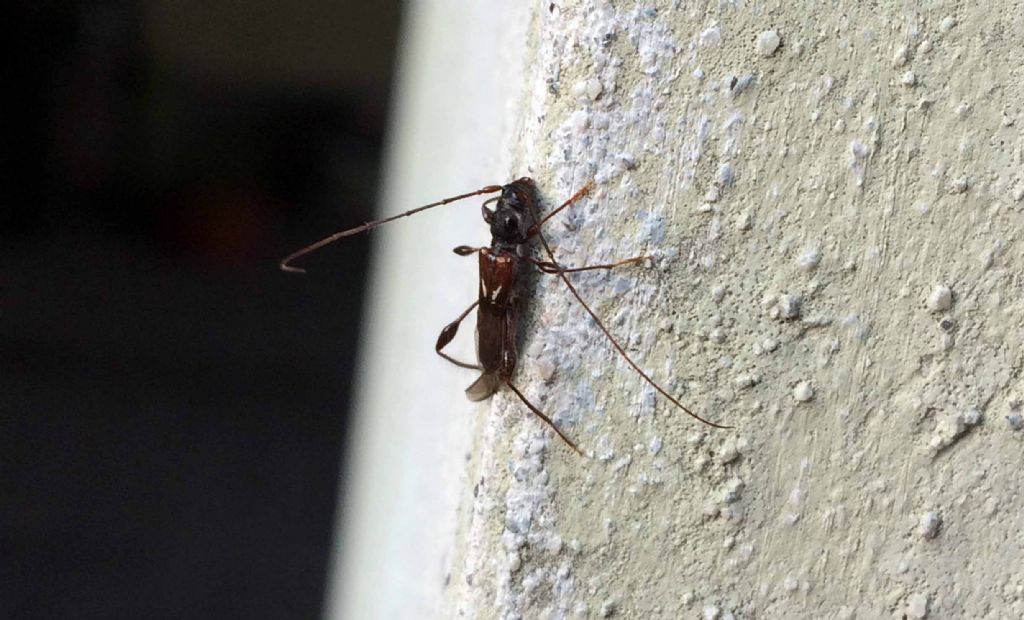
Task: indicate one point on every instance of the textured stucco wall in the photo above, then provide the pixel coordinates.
(832, 196)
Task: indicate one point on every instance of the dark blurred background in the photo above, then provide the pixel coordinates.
(174, 407)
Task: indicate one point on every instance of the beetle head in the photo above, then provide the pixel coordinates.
(513, 215)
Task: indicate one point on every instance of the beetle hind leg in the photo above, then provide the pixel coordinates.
(448, 333)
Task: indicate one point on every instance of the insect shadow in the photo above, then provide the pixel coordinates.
(514, 221)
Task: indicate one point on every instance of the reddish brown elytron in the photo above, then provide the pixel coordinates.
(514, 220)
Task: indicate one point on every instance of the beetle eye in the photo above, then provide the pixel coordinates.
(507, 226)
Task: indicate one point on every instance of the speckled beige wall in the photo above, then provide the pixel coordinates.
(832, 197)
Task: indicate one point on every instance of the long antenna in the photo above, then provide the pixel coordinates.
(618, 347)
(286, 266)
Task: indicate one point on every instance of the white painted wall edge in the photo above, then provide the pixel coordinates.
(411, 435)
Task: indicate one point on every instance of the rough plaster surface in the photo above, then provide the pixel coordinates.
(832, 198)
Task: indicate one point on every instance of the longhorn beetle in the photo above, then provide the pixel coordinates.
(514, 220)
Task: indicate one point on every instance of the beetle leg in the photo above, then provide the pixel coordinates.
(449, 332)
(583, 191)
(540, 414)
(553, 268)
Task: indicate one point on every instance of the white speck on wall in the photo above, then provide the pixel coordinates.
(809, 259)
(729, 452)
(795, 496)
(654, 446)
(578, 122)
(790, 584)
(957, 185)
(803, 392)
(743, 84)
(972, 417)
(900, 57)
(859, 150)
(608, 607)
(726, 175)
(715, 228)
(940, 299)
(744, 221)
(930, 524)
(622, 463)
(735, 119)
(745, 381)
(588, 89)
(711, 36)
(733, 491)
(546, 368)
(788, 307)
(1018, 192)
(917, 606)
(768, 42)
(951, 428)
(713, 194)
